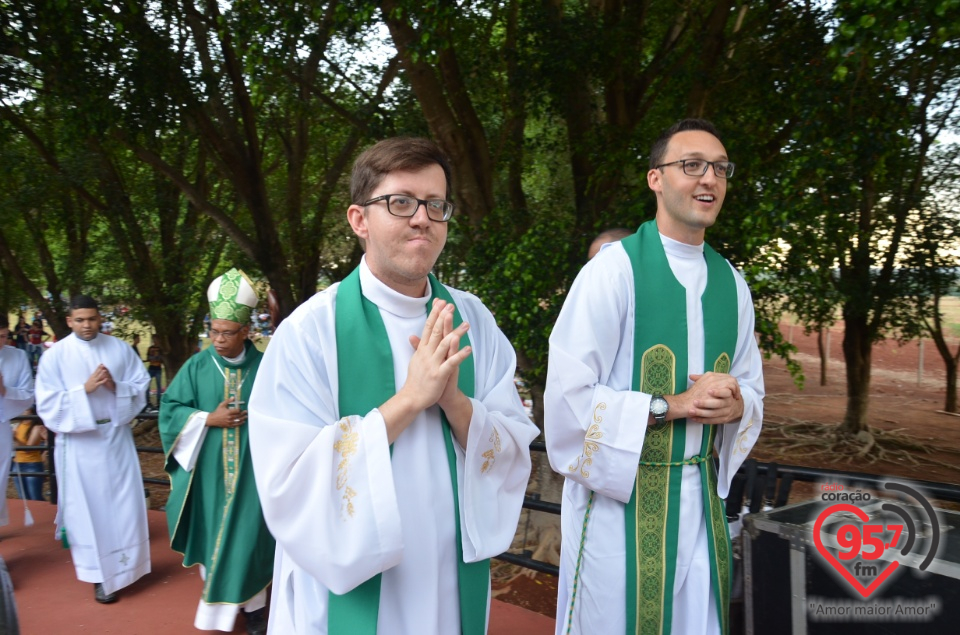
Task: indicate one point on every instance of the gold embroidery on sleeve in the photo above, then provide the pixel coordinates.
(742, 439)
(347, 447)
(590, 444)
(490, 455)
(600, 406)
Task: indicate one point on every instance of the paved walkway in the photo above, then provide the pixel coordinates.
(51, 601)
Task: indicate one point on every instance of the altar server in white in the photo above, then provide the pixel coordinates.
(16, 395)
(90, 386)
(654, 367)
(390, 446)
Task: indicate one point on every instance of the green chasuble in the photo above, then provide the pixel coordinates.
(363, 350)
(660, 366)
(213, 512)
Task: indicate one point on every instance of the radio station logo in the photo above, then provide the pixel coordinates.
(867, 540)
(867, 550)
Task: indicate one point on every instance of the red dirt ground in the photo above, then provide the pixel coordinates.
(898, 401)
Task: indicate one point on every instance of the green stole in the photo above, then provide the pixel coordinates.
(660, 366)
(363, 351)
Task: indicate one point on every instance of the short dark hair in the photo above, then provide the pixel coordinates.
(390, 155)
(4, 322)
(659, 148)
(83, 302)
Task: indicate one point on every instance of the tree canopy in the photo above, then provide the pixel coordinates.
(172, 138)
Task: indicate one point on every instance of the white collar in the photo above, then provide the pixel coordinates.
(389, 300)
(678, 249)
(236, 361)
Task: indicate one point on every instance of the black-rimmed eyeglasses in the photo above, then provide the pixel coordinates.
(406, 206)
(698, 167)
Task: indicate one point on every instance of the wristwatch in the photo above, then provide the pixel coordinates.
(658, 408)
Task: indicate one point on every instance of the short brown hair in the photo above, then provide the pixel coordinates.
(391, 155)
(659, 148)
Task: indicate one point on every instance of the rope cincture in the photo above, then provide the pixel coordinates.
(694, 460)
(576, 574)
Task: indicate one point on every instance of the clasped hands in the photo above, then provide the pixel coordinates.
(227, 415)
(100, 377)
(714, 398)
(432, 376)
(434, 369)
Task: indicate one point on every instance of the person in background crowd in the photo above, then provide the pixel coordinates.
(35, 338)
(90, 387)
(214, 512)
(604, 237)
(155, 369)
(30, 461)
(22, 334)
(16, 395)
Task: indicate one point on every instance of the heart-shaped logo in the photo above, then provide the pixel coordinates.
(867, 591)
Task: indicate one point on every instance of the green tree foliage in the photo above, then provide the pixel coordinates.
(859, 174)
(274, 102)
(552, 108)
(98, 213)
(246, 115)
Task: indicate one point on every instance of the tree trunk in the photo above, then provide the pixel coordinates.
(951, 403)
(857, 349)
(824, 353)
(950, 361)
(536, 396)
(535, 384)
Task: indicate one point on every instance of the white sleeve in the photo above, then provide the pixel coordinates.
(325, 483)
(18, 380)
(737, 438)
(494, 469)
(594, 423)
(131, 384)
(63, 409)
(186, 448)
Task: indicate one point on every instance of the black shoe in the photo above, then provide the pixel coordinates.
(257, 622)
(102, 597)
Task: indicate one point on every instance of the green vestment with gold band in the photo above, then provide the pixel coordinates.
(660, 366)
(366, 381)
(213, 512)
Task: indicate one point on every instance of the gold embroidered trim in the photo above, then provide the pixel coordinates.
(722, 365)
(657, 375)
(742, 439)
(590, 444)
(347, 447)
(721, 538)
(600, 406)
(658, 370)
(490, 455)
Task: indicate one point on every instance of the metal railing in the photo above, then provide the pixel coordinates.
(50, 472)
(757, 487)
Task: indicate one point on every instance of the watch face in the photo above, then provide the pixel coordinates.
(659, 406)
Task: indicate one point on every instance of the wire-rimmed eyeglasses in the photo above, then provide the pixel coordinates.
(405, 206)
(227, 335)
(698, 167)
